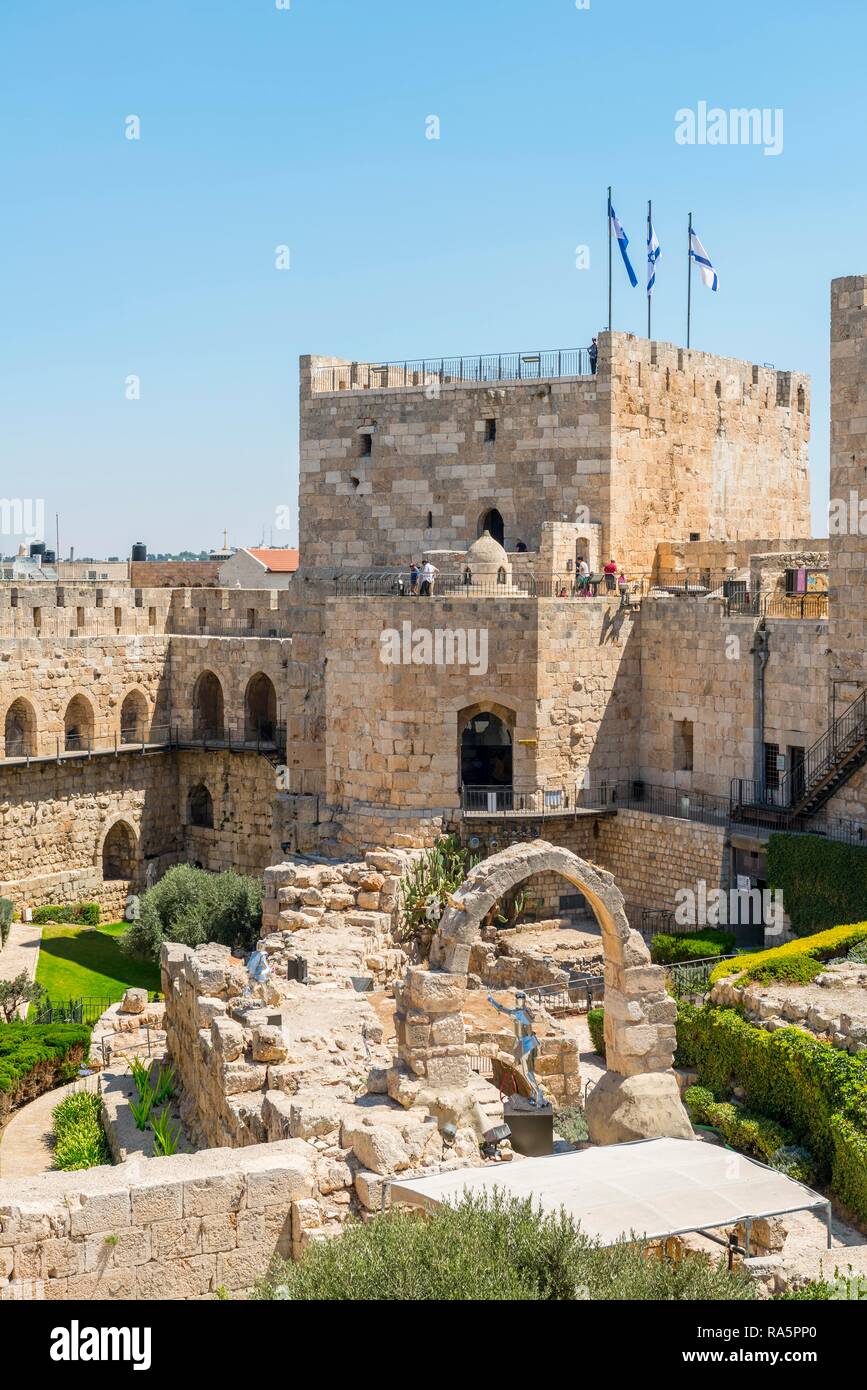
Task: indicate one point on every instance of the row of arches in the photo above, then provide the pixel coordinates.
(21, 731)
(79, 722)
(260, 708)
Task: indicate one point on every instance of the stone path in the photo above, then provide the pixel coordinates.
(21, 952)
(26, 1142)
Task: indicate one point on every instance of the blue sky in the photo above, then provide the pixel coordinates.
(306, 127)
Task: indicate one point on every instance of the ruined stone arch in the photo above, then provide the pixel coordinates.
(20, 728)
(78, 724)
(260, 708)
(638, 1097)
(134, 717)
(208, 707)
(117, 851)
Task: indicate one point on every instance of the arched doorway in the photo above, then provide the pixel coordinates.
(208, 707)
(20, 730)
(119, 852)
(260, 709)
(78, 725)
(200, 807)
(133, 718)
(493, 521)
(486, 750)
(638, 1096)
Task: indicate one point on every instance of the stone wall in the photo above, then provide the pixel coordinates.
(661, 443)
(182, 1227)
(848, 540)
(563, 674)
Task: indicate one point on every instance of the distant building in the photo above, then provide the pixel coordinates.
(260, 568)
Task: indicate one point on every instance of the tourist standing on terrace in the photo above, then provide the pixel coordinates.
(593, 353)
(582, 574)
(428, 576)
(610, 572)
(413, 578)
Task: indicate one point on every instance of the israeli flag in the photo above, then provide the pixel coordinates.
(653, 254)
(702, 260)
(622, 242)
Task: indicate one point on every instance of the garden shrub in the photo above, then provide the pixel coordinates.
(34, 1057)
(697, 1100)
(596, 1024)
(192, 906)
(672, 949)
(774, 963)
(818, 1092)
(796, 1162)
(489, 1248)
(7, 907)
(822, 881)
(859, 953)
(79, 1138)
(76, 914)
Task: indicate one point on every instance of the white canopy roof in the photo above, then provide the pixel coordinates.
(655, 1187)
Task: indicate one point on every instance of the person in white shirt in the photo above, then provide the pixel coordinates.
(429, 573)
(582, 572)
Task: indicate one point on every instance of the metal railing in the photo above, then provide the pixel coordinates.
(693, 976)
(795, 607)
(267, 739)
(838, 746)
(541, 801)
(637, 795)
(397, 584)
(581, 992)
(86, 1009)
(534, 365)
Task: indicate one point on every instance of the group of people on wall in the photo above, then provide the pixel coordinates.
(422, 580)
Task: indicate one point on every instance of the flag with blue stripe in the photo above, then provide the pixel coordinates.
(702, 260)
(654, 252)
(622, 242)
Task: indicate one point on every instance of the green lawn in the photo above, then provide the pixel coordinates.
(87, 961)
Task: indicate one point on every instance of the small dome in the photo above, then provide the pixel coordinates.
(487, 552)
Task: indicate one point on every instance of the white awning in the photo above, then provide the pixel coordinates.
(652, 1188)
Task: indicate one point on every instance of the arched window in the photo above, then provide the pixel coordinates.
(208, 707)
(78, 725)
(200, 806)
(20, 730)
(133, 718)
(119, 852)
(492, 521)
(260, 709)
(486, 751)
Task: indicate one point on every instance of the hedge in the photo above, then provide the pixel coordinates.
(809, 951)
(822, 881)
(673, 949)
(79, 914)
(33, 1057)
(596, 1024)
(813, 1089)
(6, 909)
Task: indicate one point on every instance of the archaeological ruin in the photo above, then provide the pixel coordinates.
(594, 741)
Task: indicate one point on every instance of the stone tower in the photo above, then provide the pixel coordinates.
(848, 505)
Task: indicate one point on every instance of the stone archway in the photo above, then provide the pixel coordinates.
(638, 1097)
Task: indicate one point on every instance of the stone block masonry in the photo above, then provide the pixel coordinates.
(182, 1227)
(661, 444)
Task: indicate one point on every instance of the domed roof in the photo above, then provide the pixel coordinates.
(487, 551)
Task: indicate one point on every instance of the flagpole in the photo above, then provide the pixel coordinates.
(649, 295)
(688, 278)
(609, 258)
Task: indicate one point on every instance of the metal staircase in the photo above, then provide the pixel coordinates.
(804, 790)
